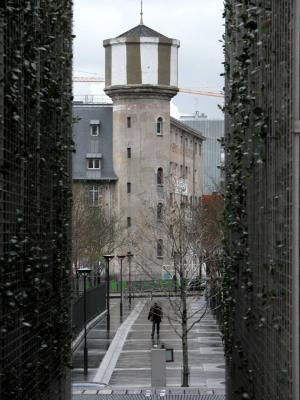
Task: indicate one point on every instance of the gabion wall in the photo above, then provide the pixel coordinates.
(35, 139)
(259, 71)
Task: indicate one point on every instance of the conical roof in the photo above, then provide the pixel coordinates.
(142, 31)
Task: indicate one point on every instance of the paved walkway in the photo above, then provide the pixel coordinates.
(127, 363)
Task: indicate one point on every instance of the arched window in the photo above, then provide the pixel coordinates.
(159, 126)
(160, 248)
(159, 211)
(160, 177)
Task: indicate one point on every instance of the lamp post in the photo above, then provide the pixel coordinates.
(129, 256)
(121, 258)
(84, 272)
(107, 257)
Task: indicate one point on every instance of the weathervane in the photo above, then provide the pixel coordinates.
(142, 23)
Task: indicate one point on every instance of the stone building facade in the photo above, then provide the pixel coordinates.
(151, 153)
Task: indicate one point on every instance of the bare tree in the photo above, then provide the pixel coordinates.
(95, 229)
(185, 235)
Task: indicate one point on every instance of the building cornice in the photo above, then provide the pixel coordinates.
(118, 92)
(186, 128)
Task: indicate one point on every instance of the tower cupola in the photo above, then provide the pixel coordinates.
(140, 60)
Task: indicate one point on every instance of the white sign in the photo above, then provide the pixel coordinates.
(180, 186)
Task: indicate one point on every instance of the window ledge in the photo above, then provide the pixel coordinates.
(160, 257)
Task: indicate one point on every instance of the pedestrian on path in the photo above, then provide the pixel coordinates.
(155, 315)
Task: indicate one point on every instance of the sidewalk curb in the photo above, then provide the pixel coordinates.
(76, 342)
(110, 359)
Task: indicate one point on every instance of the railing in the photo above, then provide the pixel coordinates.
(91, 99)
(143, 286)
(95, 305)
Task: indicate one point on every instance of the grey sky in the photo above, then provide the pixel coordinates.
(198, 24)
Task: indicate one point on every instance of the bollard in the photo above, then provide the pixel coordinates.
(158, 368)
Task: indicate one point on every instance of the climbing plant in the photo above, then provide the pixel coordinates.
(258, 113)
(35, 135)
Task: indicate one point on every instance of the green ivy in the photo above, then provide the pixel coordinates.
(35, 124)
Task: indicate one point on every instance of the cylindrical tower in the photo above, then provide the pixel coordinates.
(141, 78)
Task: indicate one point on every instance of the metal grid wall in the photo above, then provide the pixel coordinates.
(260, 348)
(35, 137)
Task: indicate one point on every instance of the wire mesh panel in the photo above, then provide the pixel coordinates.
(35, 138)
(259, 172)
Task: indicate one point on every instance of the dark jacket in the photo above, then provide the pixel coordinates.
(155, 313)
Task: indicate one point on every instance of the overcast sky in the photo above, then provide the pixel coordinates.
(198, 24)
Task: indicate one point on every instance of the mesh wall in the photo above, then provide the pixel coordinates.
(259, 156)
(35, 132)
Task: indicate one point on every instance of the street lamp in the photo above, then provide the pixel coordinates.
(121, 258)
(84, 272)
(107, 257)
(129, 256)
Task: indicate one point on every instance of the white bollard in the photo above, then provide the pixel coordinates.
(158, 368)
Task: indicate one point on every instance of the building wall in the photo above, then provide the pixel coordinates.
(88, 146)
(260, 304)
(186, 152)
(174, 148)
(35, 138)
(213, 130)
(177, 150)
(148, 153)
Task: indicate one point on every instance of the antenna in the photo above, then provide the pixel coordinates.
(141, 22)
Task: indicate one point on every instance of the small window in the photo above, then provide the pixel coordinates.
(160, 178)
(128, 222)
(93, 195)
(160, 248)
(159, 126)
(93, 163)
(186, 171)
(128, 187)
(171, 198)
(159, 211)
(181, 171)
(94, 129)
(128, 122)
(199, 149)
(128, 152)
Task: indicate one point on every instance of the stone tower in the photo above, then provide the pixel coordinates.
(141, 78)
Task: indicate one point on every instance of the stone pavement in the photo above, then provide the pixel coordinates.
(127, 364)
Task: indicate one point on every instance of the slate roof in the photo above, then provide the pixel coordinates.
(142, 31)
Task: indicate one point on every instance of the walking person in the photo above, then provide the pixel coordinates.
(155, 315)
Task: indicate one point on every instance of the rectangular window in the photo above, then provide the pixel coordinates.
(128, 152)
(93, 163)
(159, 248)
(93, 194)
(128, 187)
(128, 122)
(181, 171)
(94, 129)
(128, 222)
(186, 171)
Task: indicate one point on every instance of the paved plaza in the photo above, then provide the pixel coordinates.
(122, 357)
